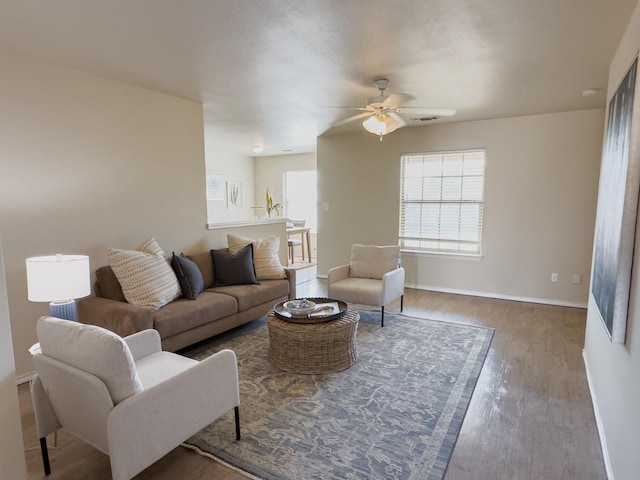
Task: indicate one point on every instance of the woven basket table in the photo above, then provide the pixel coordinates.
(313, 347)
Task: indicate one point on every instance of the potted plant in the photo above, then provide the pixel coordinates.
(271, 206)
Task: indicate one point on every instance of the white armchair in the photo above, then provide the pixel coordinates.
(374, 276)
(126, 397)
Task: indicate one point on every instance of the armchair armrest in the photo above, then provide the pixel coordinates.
(119, 317)
(150, 424)
(338, 273)
(144, 343)
(392, 285)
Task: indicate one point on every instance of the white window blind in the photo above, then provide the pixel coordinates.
(441, 203)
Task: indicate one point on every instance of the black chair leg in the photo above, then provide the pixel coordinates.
(401, 302)
(45, 456)
(237, 415)
(382, 318)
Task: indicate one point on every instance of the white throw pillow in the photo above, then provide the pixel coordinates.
(92, 349)
(265, 255)
(369, 261)
(145, 275)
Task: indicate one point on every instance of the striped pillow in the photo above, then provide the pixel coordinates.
(145, 275)
(265, 255)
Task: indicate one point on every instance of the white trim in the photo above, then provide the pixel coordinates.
(24, 378)
(599, 424)
(499, 296)
(246, 223)
(515, 298)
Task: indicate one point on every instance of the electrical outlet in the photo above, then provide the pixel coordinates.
(577, 278)
(325, 206)
(554, 277)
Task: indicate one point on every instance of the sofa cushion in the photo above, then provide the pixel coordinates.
(265, 254)
(107, 285)
(233, 268)
(205, 264)
(145, 275)
(95, 350)
(189, 276)
(249, 296)
(182, 314)
(370, 261)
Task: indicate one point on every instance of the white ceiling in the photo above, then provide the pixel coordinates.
(273, 71)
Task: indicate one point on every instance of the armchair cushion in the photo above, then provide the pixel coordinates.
(92, 349)
(369, 261)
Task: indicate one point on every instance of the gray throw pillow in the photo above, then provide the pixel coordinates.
(233, 268)
(189, 276)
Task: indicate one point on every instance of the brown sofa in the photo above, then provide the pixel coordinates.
(184, 322)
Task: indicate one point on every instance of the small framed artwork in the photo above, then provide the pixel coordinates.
(234, 194)
(215, 186)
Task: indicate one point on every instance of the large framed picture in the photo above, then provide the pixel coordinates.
(617, 208)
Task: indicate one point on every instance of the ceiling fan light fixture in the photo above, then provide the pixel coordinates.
(380, 124)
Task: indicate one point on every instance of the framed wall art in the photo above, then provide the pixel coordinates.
(234, 194)
(617, 208)
(215, 186)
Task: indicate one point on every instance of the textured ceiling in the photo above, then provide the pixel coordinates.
(273, 72)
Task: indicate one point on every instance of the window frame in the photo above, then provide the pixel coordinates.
(403, 238)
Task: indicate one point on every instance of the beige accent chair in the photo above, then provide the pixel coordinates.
(374, 276)
(125, 396)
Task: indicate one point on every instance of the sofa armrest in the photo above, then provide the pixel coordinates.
(144, 343)
(338, 273)
(119, 317)
(291, 276)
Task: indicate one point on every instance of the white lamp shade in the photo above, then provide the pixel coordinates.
(58, 278)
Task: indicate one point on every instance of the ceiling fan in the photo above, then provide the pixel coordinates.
(382, 113)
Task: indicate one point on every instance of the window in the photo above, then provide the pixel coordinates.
(300, 196)
(441, 203)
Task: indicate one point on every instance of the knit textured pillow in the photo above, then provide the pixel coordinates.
(145, 275)
(265, 255)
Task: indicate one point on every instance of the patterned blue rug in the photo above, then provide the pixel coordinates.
(395, 414)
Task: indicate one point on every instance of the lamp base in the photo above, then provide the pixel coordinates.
(64, 310)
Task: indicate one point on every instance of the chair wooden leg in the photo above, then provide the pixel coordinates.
(237, 415)
(382, 318)
(45, 455)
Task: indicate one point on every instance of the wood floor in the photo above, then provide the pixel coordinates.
(530, 416)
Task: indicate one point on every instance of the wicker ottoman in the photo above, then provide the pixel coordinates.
(314, 347)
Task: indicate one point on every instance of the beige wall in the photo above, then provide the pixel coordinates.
(12, 462)
(234, 167)
(269, 172)
(614, 370)
(88, 163)
(540, 197)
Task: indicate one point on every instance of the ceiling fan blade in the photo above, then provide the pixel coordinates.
(395, 100)
(439, 112)
(352, 119)
(397, 118)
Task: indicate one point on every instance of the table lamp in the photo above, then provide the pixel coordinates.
(59, 279)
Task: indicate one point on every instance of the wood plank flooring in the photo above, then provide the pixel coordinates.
(530, 416)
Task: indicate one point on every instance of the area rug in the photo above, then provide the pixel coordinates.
(395, 414)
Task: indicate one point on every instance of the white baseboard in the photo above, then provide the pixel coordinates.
(499, 296)
(600, 426)
(515, 298)
(24, 378)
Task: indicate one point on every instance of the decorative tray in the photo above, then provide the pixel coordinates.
(326, 309)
